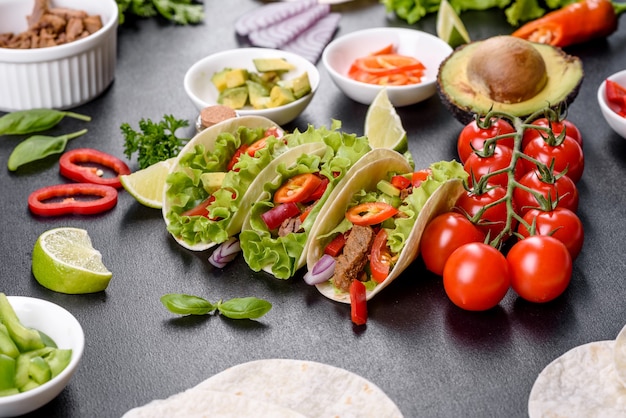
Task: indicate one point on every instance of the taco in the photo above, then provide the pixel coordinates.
(220, 171)
(372, 230)
(274, 235)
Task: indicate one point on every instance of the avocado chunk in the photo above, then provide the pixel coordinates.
(236, 77)
(507, 74)
(300, 85)
(280, 96)
(258, 94)
(235, 97)
(211, 181)
(263, 65)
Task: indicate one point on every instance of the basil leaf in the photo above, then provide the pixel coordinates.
(34, 120)
(244, 308)
(182, 304)
(38, 147)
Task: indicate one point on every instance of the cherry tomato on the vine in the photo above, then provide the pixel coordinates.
(562, 190)
(476, 277)
(443, 235)
(557, 127)
(473, 137)
(477, 166)
(560, 223)
(493, 220)
(568, 155)
(540, 268)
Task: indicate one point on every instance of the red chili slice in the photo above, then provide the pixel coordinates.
(298, 188)
(44, 201)
(69, 167)
(370, 213)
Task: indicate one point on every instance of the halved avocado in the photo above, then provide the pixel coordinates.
(507, 74)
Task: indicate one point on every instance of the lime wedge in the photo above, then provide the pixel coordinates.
(65, 261)
(450, 28)
(383, 126)
(146, 185)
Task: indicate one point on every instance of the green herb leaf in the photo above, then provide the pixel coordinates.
(182, 304)
(244, 308)
(156, 141)
(38, 147)
(182, 12)
(34, 120)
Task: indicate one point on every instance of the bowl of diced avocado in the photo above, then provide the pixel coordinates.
(265, 82)
(41, 345)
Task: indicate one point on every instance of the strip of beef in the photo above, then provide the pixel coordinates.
(289, 225)
(354, 258)
(40, 8)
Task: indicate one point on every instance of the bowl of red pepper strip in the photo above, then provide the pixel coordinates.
(612, 101)
(404, 61)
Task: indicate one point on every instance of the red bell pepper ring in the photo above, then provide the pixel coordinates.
(69, 167)
(62, 199)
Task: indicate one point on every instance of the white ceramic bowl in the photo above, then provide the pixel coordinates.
(339, 55)
(62, 76)
(615, 121)
(203, 93)
(65, 331)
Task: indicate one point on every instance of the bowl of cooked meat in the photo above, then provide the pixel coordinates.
(56, 53)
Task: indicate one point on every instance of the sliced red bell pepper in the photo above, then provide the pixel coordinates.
(358, 302)
(616, 97)
(380, 258)
(370, 213)
(400, 181)
(70, 167)
(335, 246)
(298, 188)
(63, 199)
(276, 215)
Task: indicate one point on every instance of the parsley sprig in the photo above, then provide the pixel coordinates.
(182, 12)
(156, 141)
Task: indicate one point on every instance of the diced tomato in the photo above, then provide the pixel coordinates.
(380, 257)
(370, 213)
(274, 131)
(201, 209)
(335, 246)
(358, 302)
(236, 156)
(305, 212)
(401, 182)
(420, 176)
(319, 192)
(298, 188)
(255, 146)
(276, 215)
(616, 97)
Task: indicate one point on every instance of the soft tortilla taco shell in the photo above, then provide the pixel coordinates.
(442, 200)
(207, 138)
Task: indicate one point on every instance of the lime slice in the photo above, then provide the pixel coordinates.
(450, 28)
(65, 261)
(146, 185)
(383, 126)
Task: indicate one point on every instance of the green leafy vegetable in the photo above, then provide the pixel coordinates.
(516, 11)
(38, 147)
(237, 308)
(182, 12)
(156, 141)
(34, 120)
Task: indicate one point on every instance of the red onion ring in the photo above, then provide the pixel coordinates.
(322, 271)
(225, 253)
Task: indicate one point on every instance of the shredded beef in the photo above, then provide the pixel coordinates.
(289, 225)
(353, 260)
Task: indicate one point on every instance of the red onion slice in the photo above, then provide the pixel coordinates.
(279, 34)
(322, 271)
(269, 15)
(225, 253)
(310, 43)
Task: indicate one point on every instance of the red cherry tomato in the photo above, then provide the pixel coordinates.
(493, 220)
(477, 166)
(473, 137)
(568, 155)
(443, 235)
(540, 268)
(560, 223)
(557, 127)
(561, 189)
(476, 277)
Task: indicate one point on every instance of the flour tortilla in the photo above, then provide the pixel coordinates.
(271, 387)
(367, 174)
(619, 356)
(582, 382)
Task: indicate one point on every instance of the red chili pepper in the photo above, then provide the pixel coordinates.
(62, 199)
(575, 23)
(69, 167)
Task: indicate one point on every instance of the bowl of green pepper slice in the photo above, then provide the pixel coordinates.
(41, 345)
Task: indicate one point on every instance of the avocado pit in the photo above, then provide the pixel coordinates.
(507, 69)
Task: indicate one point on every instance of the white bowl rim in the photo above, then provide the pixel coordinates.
(77, 352)
(602, 92)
